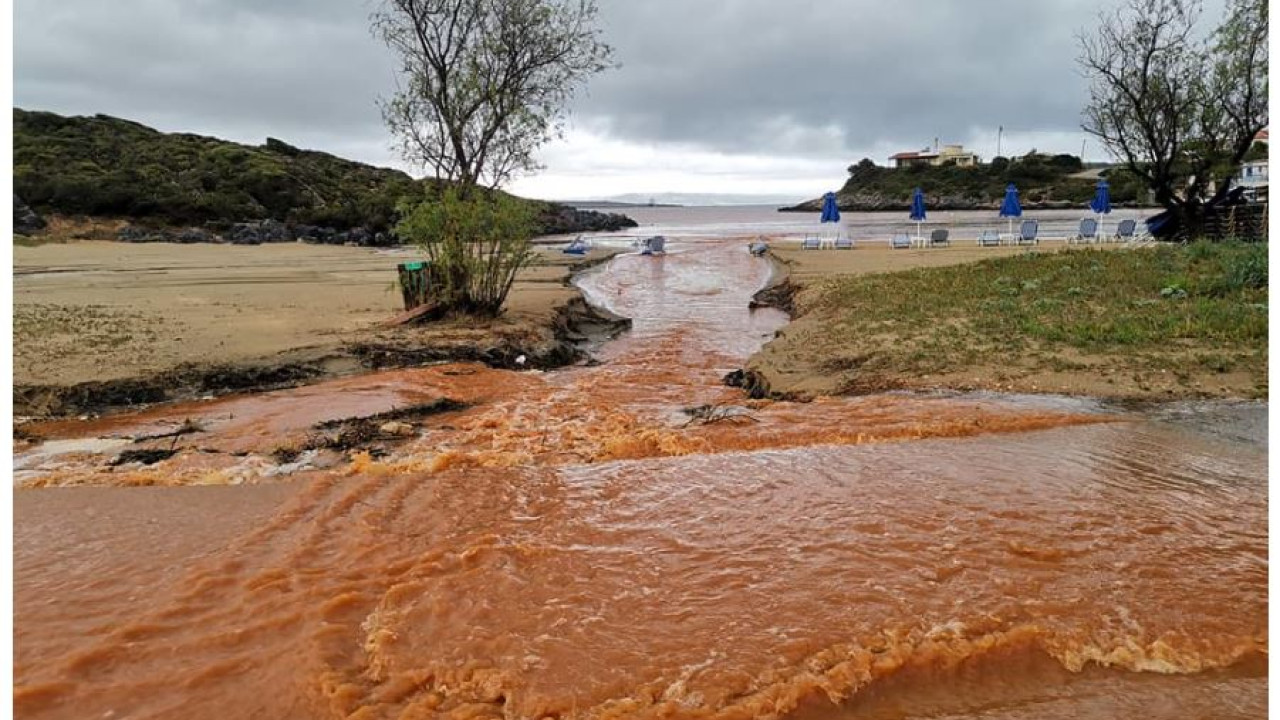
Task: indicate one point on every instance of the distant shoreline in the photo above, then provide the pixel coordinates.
(906, 207)
(592, 205)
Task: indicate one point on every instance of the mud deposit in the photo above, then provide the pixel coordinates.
(634, 539)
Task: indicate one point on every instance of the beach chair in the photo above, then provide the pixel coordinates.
(940, 237)
(989, 238)
(844, 243)
(1028, 233)
(1127, 231)
(811, 243)
(759, 248)
(1087, 233)
(656, 245)
(901, 241)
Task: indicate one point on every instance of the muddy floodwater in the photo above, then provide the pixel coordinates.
(576, 544)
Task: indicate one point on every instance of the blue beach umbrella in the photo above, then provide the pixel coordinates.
(830, 213)
(917, 209)
(1011, 208)
(1101, 203)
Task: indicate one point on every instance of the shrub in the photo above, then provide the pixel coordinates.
(476, 243)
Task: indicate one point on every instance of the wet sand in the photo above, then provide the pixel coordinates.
(574, 546)
(100, 311)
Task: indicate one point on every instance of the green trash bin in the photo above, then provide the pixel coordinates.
(415, 283)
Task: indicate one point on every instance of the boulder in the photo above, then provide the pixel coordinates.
(25, 220)
(358, 236)
(196, 235)
(272, 231)
(140, 234)
(563, 220)
(244, 234)
(307, 233)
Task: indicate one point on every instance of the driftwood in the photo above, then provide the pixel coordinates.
(187, 427)
(708, 414)
(418, 313)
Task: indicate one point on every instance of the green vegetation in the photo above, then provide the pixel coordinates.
(105, 166)
(476, 243)
(1046, 179)
(1180, 309)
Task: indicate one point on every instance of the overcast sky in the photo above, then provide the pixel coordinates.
(739, 96)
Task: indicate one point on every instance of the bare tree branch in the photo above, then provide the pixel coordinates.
(1180, 111)
(485, 81)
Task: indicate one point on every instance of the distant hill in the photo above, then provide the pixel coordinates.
(1043, 181)
(702, 199)
(109, 167)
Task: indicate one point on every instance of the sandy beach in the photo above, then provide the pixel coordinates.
(98, 312)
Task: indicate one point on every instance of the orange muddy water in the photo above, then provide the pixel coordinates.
(575, 545)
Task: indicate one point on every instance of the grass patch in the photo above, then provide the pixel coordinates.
(1202, 306)
(37, 240)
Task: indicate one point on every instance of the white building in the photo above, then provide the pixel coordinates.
(1254, 175)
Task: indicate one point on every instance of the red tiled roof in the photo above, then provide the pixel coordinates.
(1262, 134)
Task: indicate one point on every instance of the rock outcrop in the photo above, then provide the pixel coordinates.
(559, 219)
(562, 219)
(25, 220)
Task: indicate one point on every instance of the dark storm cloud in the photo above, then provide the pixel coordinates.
(301, 71)
(799, 78)
(723, 74)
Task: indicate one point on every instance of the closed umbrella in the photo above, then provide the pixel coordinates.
(1101, 202)
(1011, 208)
(917, 210)
(830, 212)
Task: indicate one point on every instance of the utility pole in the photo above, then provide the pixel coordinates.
(999, 137)
(1082, 143)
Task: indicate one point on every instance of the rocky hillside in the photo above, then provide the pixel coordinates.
(182, 185)
(1043, 181)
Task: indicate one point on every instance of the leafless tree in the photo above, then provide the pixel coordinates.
(1178, 106)
(484, 83)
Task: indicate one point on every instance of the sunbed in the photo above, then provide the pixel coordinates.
(1088, 232)
(989, 238)
(844, 243)
(1027, 234)
(940, 236)
(1127, 230)
(656, 245)
(901, 241)
(811, 243)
